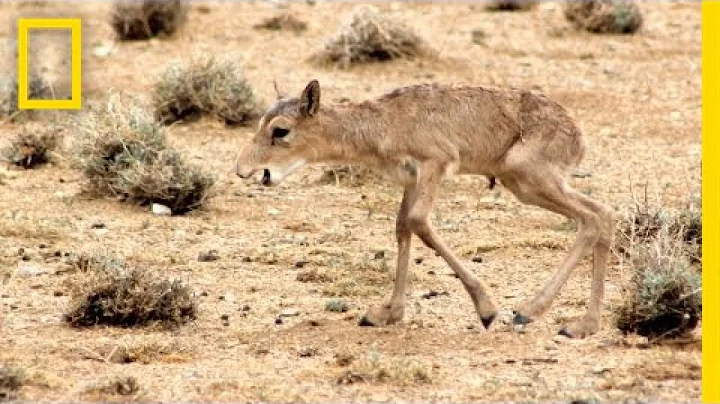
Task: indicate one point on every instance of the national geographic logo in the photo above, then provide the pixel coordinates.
(25, 28)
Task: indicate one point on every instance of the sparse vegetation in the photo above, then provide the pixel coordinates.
(111, 293)
(348, 176)
(38, 89)
(204, 86)
(282, 22)
(145, 19)
(664, 297)
(32, 147)
(118, 386)
(336, 305)
(11, 380)
(510, 5)
(123, 153)
(605, 16)
(375, 369)
(369, 36)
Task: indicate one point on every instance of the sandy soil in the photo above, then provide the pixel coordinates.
(636, 97)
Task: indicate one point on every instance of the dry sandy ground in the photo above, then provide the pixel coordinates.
(636, 97)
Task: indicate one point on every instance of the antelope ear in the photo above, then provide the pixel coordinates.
(310, 99)
(277, 90)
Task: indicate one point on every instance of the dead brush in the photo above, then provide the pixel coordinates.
(510, 5)
(282, 22)
(38, 89)
(145, 19)
(664, 298)
(11, 381)
(374, 369)
(113, 294)
(347, 176)
(643, 222)
(31, 147)
(124, 153)
(369, 36)
(604, 16)
(204, 86)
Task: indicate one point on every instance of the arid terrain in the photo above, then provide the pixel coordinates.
(290, 249)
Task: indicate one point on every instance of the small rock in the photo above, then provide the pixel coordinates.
(103, 50)
(30, 270)
(478, 259)
(278, 320)
(58, 293)
(380, 255)
(599, 370)
(209, 256)
(290, 313)
(245, 307)
(301, 264)
(161, 210)
(274, 212)
(434, 293)
(419, 260)
(97, 225)
(559, 339)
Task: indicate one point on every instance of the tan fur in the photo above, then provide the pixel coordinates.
(420, 134)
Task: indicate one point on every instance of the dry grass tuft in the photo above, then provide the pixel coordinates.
(38, 89)
(11, 380)
(282, 22)
(376, 370)
(348, 176)
(112, 294)
(118, 386)
(664, 297)
(31, 147)
(369, 36)
(510, 5)
(205, 85)
(124, 153)
(605, 16)
(145, 19)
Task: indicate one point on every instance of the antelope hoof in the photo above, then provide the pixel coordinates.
(382, 316)
(487, 320)
(521, 319)
(580, 329)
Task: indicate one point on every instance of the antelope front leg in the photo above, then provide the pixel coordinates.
(393, 311)
(419, 223)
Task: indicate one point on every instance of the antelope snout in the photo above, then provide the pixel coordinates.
(244, 172)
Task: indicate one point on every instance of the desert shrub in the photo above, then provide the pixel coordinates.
(38, 89)
(369, 36)
(604, 16)
(664, 297)
(509, 5)
(124, 153)
(111, 293)
(32, 147)
(282, 22)
(144, 19)
(642, 223)
(205, 85)
(11, 380)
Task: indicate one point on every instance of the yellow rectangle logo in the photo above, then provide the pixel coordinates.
(24, 27)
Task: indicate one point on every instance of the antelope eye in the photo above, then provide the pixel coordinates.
(279, 133)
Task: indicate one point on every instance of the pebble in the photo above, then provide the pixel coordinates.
(30, 270)
(161, 210)
(290, 313)
(209, 256)
(274, 212)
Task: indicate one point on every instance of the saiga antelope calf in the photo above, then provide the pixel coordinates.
(418, 134)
